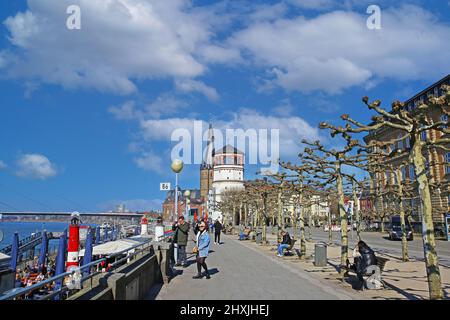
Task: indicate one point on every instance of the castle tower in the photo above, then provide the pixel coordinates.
(228, 173)
(206, 168)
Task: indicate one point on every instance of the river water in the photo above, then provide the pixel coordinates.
(27, 228)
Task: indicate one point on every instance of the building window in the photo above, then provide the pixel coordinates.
(400, 142)
(444, 118)
(403, 170)
(408, 143)
(447, 160)
(436, 92)
(423, 136)
(412, 175)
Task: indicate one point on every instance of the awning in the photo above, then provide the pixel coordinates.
(5, 261)
(112, 247)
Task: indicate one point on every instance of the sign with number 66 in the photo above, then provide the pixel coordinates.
(165, 186)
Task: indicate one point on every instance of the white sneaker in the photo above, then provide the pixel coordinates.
(279, 255)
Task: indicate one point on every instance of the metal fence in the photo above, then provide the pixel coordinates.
(130, 253)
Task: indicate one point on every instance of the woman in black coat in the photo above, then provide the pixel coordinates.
(364, 258)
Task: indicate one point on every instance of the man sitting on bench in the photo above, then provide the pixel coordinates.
(245, 234)
(285, 243)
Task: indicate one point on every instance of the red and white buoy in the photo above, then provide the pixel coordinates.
(74, 242)
(144, 226)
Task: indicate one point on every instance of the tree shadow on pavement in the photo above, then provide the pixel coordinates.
(404, 293)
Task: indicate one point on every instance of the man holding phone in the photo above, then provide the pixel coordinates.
(181, 238)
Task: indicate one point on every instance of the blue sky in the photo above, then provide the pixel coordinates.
(87, 114)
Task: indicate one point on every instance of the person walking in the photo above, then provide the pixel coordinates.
(210, 223)
(181, 232)
(217, 230)
(203, 242)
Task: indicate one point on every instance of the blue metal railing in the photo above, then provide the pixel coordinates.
(24, 243)
(24, 291)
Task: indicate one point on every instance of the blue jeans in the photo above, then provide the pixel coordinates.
(181, 259)
(242, 236)
(281, 247)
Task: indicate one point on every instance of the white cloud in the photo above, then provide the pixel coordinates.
(35, 166)
(119, 42)
(125, 41)
(165, 104)
(292, 129)
(2, 165)
(335, 51)
(150, 162)
(188, 85)
(314, 4)
(125, 112)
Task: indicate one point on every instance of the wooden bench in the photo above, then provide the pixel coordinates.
(228, 230)
(288, 250)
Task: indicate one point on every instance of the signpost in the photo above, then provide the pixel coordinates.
(164, 186)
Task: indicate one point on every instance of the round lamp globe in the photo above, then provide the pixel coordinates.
(177, 165)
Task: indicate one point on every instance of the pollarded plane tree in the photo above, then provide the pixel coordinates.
(375, 164)
(261, 190)
(326, 165)
(302, 193)
(247, 199)
(393, 188)
(224, 206)
(287, 193)
(358, 188)
(412, 124)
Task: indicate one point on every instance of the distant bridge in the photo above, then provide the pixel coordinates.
(85, 214)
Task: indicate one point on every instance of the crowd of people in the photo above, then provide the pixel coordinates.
(31, 274)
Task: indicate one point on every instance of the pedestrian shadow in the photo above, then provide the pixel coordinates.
(176, 273)
(213, 271)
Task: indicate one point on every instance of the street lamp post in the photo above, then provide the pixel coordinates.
(177, 166)
(187, 195)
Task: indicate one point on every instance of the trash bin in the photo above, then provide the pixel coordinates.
(320, 255)
(258, 237)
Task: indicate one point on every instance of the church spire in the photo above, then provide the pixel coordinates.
(209, 154)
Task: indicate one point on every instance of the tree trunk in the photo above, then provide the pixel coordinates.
(343, 218)
(302, 225)
(330, 234)
(310, 227)
(429, 244)
(402, 216)
(280, 211)
(293, 218)
(356, 211)
(245, 213)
